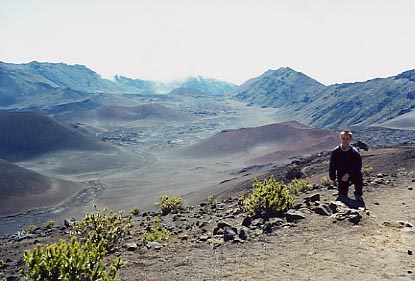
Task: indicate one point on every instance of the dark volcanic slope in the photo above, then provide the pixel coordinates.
(266, 143)
(23, 190)
(27, 134)
(15, 180)
(145, 111)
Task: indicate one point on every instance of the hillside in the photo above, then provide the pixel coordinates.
(270, 143)
(405, 122)
(363, 103)
(279, 88)
(375, 242)
(145, 111)
(22, 190)
(301, 98)
(26, 134)
(88, 112)
(19, 84)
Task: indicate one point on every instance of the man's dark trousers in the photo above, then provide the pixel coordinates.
(357, 181)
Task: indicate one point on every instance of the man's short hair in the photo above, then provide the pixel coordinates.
(346, 132)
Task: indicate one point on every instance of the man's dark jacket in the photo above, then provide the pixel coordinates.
(345, 162)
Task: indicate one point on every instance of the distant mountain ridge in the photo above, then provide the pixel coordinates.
(206, 85)
(280, 87)
(37, 77)
(299, 97)
(49, 87)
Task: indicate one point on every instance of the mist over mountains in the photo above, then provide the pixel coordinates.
(39, 76)
(49, 87)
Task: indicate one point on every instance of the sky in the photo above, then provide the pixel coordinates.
(332, 41)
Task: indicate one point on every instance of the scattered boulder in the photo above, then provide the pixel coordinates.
(243, 234)
(247, 221)
(68, 222)
(313, 198)
(323, 210)
(360, 145)
(154, 245)
(131, 246)
(355, 218)
(229, 233)
(293, 215)
(276, 221)
(267, 227)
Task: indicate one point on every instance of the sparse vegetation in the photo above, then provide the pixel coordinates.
(241, 199)
(401, 171)
(299, 185)
(169, 205)
(367, 171)
(104, 226)
(157, 232)
(269, 198)
(325, 181)
(30, 229)
(135, 212)
(49, 223)
(72, 261)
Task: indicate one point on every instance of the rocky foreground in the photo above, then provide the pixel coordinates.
(321, 238)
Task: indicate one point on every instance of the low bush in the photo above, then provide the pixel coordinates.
(157, 232)
(104, 226)
(30, 229)
(72, 261)
(49, 223)
(269, 198)
(169, 205)
(325, 181)
(135, 212)
(367, 171)
(299, 185)
(401, 171)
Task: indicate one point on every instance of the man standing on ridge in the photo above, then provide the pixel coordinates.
(345, 166)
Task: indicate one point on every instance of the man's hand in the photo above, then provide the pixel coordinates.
(333, 183)
(346, 177)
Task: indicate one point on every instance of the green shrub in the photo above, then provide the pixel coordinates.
(367, 171)
(70, 262)
(169, 205)
(401, 171)
(325, 181)
(104, 226)
(135, 212)
(299, 185)
(30, 229)
(49, 223)
(157, 233)
(269, 198)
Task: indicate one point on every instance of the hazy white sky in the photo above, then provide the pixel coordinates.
(332, 41)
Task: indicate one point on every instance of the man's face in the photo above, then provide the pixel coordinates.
(345, 139)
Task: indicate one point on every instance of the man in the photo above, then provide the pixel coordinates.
(345, 166)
